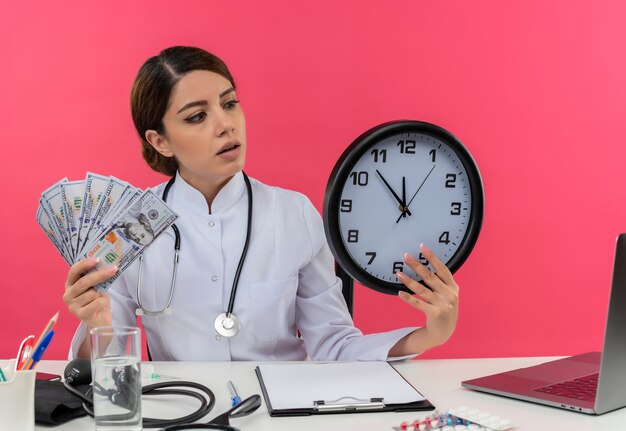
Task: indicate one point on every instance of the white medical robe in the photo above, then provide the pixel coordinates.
(287, 283)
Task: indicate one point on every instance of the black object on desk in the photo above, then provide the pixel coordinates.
(54, 405)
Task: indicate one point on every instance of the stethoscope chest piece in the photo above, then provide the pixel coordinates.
(227, 324)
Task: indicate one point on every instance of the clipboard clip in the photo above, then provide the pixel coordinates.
(357, 404)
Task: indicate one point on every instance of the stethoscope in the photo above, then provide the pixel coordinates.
(226, 324)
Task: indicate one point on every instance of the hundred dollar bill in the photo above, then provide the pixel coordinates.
(130, 194)
(128, 198)
(128, 236)
(72, 193)
(112, 193)
(46, 224)
(94, 189)
(52, 203)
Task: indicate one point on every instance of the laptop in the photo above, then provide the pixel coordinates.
(593, 382)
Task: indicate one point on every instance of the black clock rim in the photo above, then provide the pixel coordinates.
(346, 163)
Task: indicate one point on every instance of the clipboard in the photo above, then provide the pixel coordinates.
(340, 387)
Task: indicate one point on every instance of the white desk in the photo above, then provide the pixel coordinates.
(438, 380)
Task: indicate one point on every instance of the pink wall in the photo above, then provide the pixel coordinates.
(536, 91)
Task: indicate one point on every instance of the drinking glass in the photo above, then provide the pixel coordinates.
(116, 358)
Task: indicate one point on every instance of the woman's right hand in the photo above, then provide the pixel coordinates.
(82, 300)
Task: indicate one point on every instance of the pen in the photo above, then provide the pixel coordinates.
(32, 362)
(233, 394)
(46, 330)
(23, 353)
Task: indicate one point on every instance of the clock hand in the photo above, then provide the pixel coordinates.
(418, 189)
(403, 207)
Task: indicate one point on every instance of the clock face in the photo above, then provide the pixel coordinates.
(399, 185)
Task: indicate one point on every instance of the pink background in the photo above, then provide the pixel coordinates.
(535, 90)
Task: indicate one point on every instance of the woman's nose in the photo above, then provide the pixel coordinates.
(224, 124)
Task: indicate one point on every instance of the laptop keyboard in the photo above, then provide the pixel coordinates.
(582, 388)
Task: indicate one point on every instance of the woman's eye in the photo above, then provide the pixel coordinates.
(196, 118)
(231, 104)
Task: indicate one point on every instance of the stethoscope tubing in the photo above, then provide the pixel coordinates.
(177, 242)
(167, 309)
(233, 290)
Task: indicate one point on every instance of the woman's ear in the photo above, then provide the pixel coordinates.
(159, 143)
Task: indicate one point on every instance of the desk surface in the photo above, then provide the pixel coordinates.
(438, 380)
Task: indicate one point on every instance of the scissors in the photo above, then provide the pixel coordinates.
(24, 352)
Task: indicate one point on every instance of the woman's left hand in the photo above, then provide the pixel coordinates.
(441, 304)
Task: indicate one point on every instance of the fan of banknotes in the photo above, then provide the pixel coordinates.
(102, 217)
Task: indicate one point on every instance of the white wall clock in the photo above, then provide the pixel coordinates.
(397, 185)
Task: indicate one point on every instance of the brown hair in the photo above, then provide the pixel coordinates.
(151, 92)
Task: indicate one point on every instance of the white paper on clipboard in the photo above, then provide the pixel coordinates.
(296, 386)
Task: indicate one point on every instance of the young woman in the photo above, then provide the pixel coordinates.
(283, 300)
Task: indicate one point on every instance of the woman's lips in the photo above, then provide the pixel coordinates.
(230, 151)
(229, 146)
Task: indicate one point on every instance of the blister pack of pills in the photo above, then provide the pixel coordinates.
(459, 419)
(474, 416)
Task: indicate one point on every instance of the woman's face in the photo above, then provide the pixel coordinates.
(204, 128)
